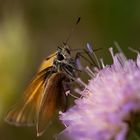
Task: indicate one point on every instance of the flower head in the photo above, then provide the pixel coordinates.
(109, 104)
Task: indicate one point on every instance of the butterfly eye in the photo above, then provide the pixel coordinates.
(60, 57)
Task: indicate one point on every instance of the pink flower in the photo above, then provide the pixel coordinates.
(110, 102)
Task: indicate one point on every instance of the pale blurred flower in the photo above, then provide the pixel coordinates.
(110, 103)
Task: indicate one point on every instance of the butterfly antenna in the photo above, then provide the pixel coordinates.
(69, 36)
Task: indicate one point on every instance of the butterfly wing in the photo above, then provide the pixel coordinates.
(25, 112)
(48, 62)
(54, 96)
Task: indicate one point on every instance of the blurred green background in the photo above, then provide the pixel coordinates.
(31, 29)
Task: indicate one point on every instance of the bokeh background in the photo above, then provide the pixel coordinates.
(31, 29)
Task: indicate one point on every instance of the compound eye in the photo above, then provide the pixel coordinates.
(60, 57)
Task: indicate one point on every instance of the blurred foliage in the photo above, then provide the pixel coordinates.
(31, 29)
(13, 57)
(134, 132)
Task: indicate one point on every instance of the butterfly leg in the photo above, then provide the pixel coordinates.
(68, 89)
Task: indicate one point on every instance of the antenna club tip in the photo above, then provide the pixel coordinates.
(78, 20)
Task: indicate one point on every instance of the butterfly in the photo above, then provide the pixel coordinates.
(46, 92)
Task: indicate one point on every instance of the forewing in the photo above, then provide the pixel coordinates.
(50, 101)
(25, 111)
(48, 62)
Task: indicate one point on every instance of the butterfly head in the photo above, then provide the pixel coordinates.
(64, 62)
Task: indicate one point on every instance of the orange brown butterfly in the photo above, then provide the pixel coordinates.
(46, 92)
